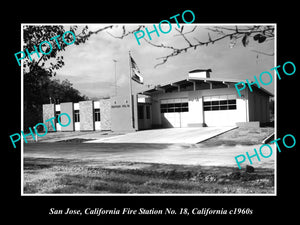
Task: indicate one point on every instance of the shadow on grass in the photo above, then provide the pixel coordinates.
(71, 176)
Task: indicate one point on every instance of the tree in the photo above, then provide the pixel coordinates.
(258, 33)
(35, 34)
(234, 33)
(63, 92)
(39, 91)
(37, 82)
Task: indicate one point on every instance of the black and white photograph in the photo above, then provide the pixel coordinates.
(149, 109)
(184, 113)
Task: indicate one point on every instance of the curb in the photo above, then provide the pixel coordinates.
(267, 139)
(217, 134)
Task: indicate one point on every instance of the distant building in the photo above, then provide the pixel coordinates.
(196, 101)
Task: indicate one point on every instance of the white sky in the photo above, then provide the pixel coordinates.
(91, 69)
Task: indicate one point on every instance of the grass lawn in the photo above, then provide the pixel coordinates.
(47, 175)
(241, 136)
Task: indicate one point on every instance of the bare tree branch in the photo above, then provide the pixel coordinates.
(185, 38)
(84, 37)
(260, 33)
(126, 33)
(161, 45)
(191, 31)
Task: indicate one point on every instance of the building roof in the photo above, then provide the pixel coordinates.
(190, 80)
(199, 70)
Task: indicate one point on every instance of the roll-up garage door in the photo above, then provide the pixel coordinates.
(220, 110)
(174, 112)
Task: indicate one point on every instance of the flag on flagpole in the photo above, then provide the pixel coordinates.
(136, 75)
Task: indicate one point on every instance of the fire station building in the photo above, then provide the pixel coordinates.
(197, 101)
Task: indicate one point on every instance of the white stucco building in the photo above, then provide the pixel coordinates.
(200, 100)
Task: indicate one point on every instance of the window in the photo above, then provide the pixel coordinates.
(56, 116)
(97, 115)
(174, 107)
(76, 116)
(141, 112)
(225, 102)
(147, 111)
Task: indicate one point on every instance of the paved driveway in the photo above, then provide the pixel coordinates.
(189, 135)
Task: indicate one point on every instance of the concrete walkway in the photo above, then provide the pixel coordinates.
(190, 135)
(69, 135)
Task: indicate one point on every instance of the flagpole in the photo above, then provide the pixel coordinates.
(130, 85)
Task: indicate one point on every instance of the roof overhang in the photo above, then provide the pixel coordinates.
(210, 82)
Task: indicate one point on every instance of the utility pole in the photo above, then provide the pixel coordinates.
(115, 76)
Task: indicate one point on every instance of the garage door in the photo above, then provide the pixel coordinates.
(174, 112)
(220, 110)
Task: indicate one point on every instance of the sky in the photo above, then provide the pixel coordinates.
(91, 69)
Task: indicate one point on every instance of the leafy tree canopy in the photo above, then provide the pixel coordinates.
(38, 85)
